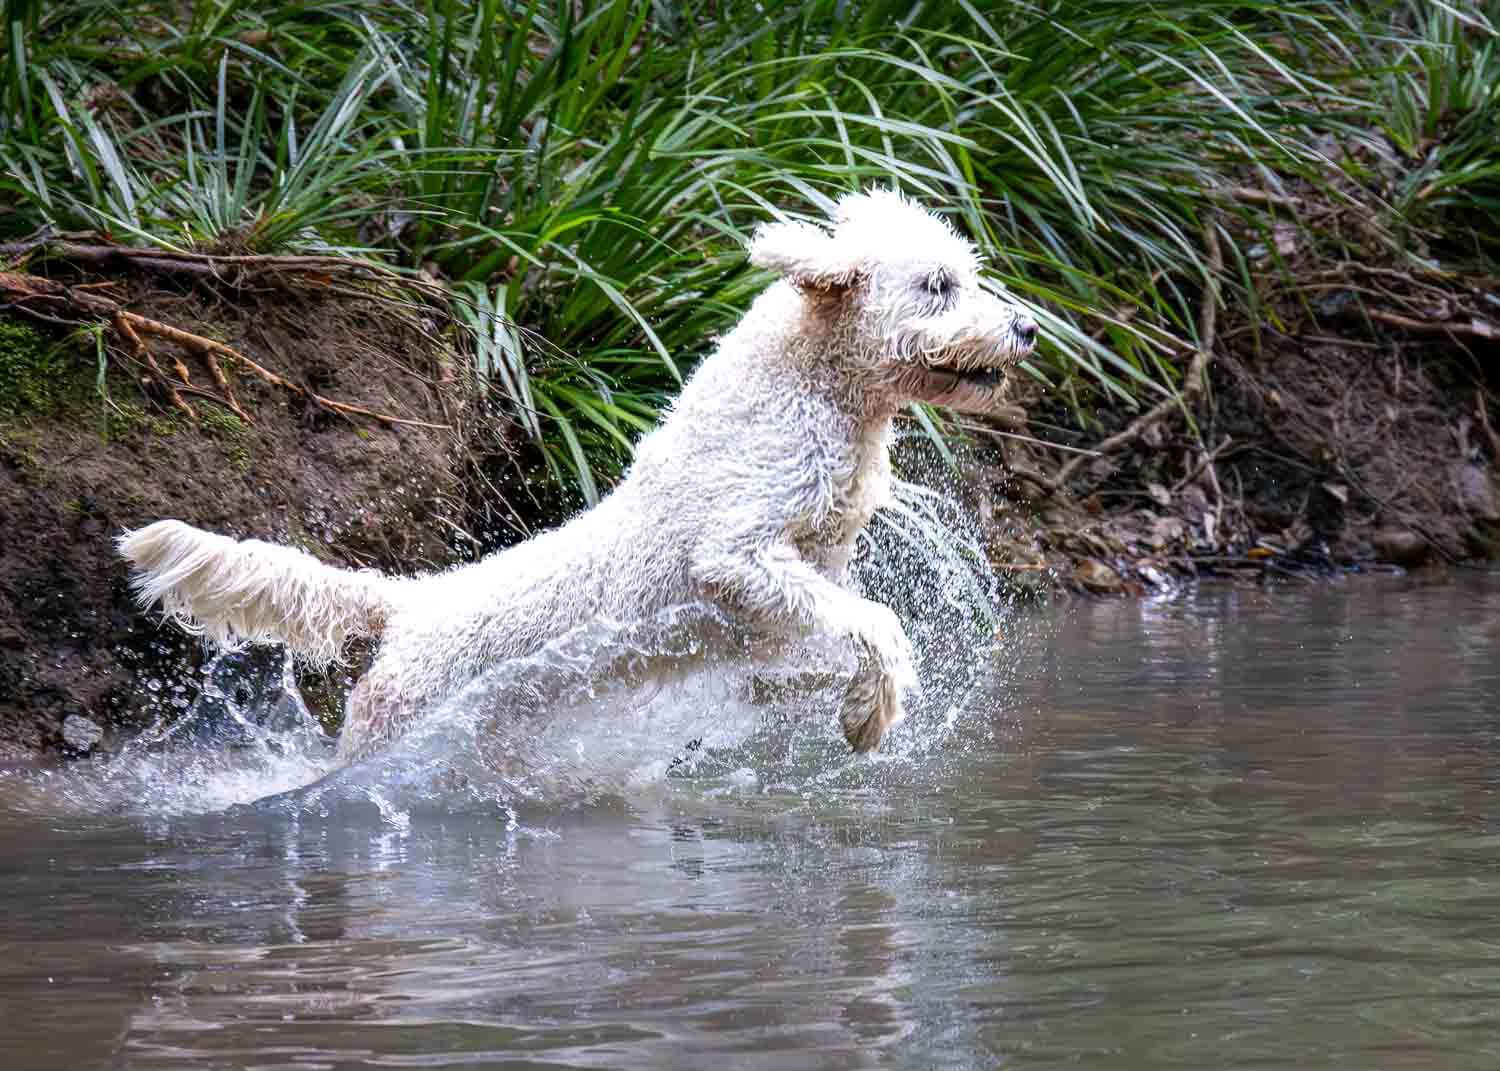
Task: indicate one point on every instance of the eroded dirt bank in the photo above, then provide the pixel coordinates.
(1338, 411)
(97, 436)
(1315, 457)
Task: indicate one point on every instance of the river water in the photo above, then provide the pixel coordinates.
(1233, 828)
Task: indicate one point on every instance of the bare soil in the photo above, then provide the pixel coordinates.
(1327, 447)
(85, 457)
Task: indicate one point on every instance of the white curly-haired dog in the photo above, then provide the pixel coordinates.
(749, 496)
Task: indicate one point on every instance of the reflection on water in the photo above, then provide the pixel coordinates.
(1230, 829)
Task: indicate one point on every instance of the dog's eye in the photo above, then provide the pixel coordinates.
(941, 289)
(941, 285)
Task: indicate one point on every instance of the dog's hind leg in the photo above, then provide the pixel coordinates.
(374, 713)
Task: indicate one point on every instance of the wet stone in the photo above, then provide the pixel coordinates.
(1400, 546)
(1097, 577)
(80, 734)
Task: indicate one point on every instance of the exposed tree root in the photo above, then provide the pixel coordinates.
(54, 302)
(1473, 327)
(232, 269)
(141, 353)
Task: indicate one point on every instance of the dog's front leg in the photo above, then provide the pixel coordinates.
(774, 587)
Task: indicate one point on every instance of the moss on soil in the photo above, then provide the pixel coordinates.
(233, 435)
(123, 417)
(39, 376)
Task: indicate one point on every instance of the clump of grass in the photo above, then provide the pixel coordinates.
(1442, 90)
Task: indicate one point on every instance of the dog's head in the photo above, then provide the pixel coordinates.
(903, 288)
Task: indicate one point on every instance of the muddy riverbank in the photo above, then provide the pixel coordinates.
(343, 423)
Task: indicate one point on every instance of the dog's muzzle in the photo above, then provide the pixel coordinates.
(969, 373)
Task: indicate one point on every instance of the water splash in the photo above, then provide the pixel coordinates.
(603, 711)
(247, 735)
(682, 701)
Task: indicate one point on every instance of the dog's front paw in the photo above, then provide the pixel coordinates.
(873, 703)
(871, 706)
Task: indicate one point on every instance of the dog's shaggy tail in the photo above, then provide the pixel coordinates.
(236, 591)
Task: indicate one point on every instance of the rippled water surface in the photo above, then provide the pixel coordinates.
(1230, 829)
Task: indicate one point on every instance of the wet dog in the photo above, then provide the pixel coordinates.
(748, 497)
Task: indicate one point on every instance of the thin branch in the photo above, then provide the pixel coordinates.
(986, 429)
(1041, 442)
(1489, 430)
(1249, 195)
(1475, 328)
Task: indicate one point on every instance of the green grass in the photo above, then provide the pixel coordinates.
(1443, 117)
(585, 175)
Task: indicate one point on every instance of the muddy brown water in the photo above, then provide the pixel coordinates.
(1230, 829)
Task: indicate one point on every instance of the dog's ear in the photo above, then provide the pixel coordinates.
(807, 255)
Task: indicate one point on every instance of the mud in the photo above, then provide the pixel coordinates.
(1311, 456)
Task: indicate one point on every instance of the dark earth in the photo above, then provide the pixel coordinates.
(79, 465)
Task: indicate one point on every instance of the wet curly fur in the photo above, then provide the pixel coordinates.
(749, 496)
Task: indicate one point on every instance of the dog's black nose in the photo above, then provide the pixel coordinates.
(1026, 330)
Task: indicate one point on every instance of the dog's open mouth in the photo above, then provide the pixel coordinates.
(937, 385)
(951, 378)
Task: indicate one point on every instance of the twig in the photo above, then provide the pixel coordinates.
(1196, 378)
(358, 410)
(985, 429)
(1041, 442)
(1207, 459)
(1213, 478)
(1025, 472)
(1489, 430)
(1249, 195)
(1475, 328)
